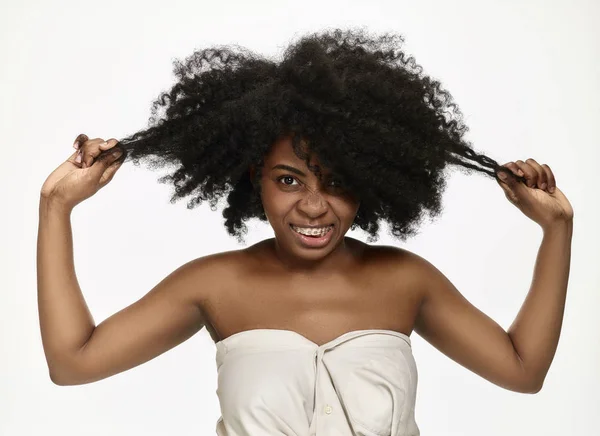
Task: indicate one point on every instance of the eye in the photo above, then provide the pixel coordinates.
(287, 177)
(332, 184)
(336, 185)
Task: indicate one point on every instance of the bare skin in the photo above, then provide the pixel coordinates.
(372, 293)
(317, 292)
(279, 284)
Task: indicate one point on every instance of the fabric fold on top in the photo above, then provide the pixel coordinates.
(278, 382)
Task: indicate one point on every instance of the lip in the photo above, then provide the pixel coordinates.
(311, 242)
(312, 227)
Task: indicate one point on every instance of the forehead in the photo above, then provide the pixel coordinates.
(283, 150)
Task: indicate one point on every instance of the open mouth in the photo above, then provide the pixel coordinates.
(316, 238)
(312, 233)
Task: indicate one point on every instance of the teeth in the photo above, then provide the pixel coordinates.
(322, 231)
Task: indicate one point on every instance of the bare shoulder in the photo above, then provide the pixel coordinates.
(209, 273)
(389, 252)
(401, 268)
(397, 260)
(214, 275)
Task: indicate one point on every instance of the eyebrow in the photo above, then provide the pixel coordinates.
(289, 168)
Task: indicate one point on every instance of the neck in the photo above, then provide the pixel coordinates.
(337, 260)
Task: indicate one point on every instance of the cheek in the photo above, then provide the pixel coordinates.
(276, 202)
(346, 206)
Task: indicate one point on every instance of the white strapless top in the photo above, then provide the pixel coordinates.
(277, 382)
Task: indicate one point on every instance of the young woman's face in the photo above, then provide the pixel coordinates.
(292, 196)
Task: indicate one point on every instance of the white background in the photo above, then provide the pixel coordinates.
(524, 73)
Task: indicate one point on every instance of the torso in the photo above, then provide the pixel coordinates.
(376, 291)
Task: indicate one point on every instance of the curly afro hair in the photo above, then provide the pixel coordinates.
(385, 130)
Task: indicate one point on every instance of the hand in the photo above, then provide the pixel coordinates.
(537, 197)
(79, 177)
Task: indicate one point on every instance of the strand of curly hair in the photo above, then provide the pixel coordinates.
(385, 130)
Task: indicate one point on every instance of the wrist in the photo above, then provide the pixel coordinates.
(50, 205)
(562, 226)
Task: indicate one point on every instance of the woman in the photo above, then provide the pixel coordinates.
(312, 328)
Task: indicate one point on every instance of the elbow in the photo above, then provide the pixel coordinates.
(533, 387)
(58, 378)
(73, 377)
(523, 383)
(63, 378)
(68, 373)
(69, 379)
(533, 390)
(536, 388)
(59, 381)
(528, 383)
(535, 382)
(56, 371)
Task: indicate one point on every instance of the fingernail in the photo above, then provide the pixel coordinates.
(76, 145)
(552, 189)
(520, 172)
(78, 158)
(502, 176)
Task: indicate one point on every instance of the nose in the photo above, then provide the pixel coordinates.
(313, 203)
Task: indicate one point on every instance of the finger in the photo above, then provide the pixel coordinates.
(510, 180)
(110, 172)
(106, 147)
(550, 178)
(508, 192)
(512, 185)
(109, 143)
(528, 172)
(91, 150)
(513, 167)
(541, 181)
(81, 138)
(507, 181)
(73, 158)
(101, 165)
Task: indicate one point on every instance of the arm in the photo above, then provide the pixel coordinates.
(79, 352)
(519, 359)
(536, 329)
